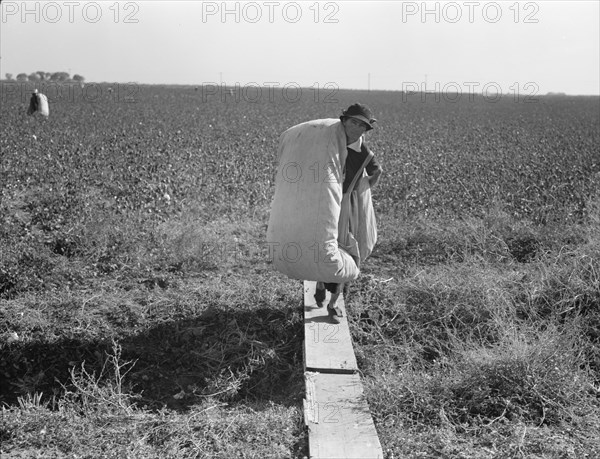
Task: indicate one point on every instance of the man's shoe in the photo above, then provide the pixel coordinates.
(334, 314)
(320, 297)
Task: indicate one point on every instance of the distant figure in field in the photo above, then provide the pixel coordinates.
(38, 103)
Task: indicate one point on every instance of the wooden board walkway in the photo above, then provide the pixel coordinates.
(327, 346)
(336, 412)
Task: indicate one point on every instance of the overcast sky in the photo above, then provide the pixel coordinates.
(530, 47)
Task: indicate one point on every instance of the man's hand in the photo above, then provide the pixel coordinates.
(374, 177)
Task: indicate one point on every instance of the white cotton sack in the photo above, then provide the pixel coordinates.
(303, 224)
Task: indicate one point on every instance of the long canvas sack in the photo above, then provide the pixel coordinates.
(303, 224)
(357, 226)
(366, 229)
(43, 107)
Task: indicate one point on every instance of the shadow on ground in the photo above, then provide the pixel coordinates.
(228, 353)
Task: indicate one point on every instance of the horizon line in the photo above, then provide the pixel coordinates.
(238, 85)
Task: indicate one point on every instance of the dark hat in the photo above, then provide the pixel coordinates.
(360, 112)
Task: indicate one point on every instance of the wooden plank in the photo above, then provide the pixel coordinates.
(327, 346)
(337, 415)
